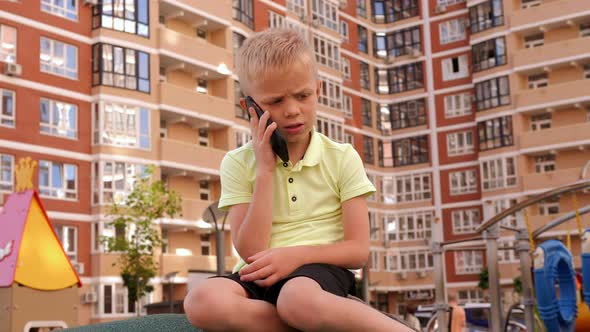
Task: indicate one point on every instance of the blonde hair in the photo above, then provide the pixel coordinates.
(271, 50)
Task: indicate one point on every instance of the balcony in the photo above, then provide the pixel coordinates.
(536, 16)
(192, 155)
(538, 181)
(555, 52)
(221, 9)
(202, 105)
(194, 48)
(559, 135)
(192, 209)
(170, 263)
(570, 92)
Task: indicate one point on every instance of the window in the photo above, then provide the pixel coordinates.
(114, 300)
(59, 118)
(398, 43)
(113, 181)
(371, 177)
(330, 128)
(365, 79)
(463, 182)
(275, 20)
(413, 187)
(6, 173)
(468, 262)
(410, 151)
(205, 245)
(374, 261)
(237, 40)
(495, 133)
(346, 68)
(492, 93)
(238, 110)
(408, 226)
(389, 11)
(68, 237)
(486, 15)
(535, 40)
(455, 68)
(349, 138)
(297, 6)
(361, 8)
(498, 173)
(538, 81)
(326, 13)
(545, 163)
(131, 16)
(470, 296)
(121, 125)
(331, 94)
(366, 112)
(399, 79)
(506, 255)
(243, 11)
(7, 44)
(120, 67)
(407, 114)
(448, 2)
(409, 261)
(327, 52)
(465, 221)
(530, 3)
(541, 121)
(344, 30)
(242, 137)
(549, 206)
(460, 143)
(488, 54)
(59, 58)
(363, 43)
(584, 29)
(203, 137)
(67, 9)
(458, 105)
(7, 108)
(58, 180)
(452, 31)
(368, 150)
(347, 106)
(501, 205)
(587, 71)
(374, 229)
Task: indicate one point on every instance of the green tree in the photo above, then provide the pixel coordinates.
(136, 236)
(484, 279)
(518, 285)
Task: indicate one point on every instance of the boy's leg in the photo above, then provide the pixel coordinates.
(303, 304)
(221, 304)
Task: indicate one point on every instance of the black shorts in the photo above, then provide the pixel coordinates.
(331, 278)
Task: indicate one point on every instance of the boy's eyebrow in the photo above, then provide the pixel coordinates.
(270, 99)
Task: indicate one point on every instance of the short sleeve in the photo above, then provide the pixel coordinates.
(235, 188)
(353, 179)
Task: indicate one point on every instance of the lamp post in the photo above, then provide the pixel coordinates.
(211, 215)
(169, 277)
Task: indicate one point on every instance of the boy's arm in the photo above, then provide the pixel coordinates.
(269, 266)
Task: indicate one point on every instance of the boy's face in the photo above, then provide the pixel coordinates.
(290, 96)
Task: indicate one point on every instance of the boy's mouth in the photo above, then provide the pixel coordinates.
(294, 128)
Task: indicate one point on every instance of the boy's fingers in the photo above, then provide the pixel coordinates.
(257, 275)
(269, 130)
(255, 257)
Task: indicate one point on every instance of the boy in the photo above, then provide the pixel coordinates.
(299, 225)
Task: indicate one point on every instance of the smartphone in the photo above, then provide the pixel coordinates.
(277, 139)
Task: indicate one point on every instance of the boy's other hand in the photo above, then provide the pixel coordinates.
(271, 265)
(265, 157)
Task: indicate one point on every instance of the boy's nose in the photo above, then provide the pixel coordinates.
(291, 109)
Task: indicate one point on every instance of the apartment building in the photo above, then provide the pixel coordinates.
(452, 104)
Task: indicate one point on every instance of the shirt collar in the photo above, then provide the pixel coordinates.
(313, 153)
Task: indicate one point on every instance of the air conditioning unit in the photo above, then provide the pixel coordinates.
(414, 53)
(421, 274)
(342, 4)
(440, 9)
(90, 297)
(91, 2)
(13, 69)
(79, 267)
(316, 22)
(389, 59)
(402, 275)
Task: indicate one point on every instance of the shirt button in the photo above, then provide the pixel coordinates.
(285, 165)
(294, 198)
(290, 180)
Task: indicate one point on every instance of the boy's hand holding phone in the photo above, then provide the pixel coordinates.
(278, 142)
(265, 157)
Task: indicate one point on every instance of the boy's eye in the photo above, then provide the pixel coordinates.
(303, 96)
(276, 101)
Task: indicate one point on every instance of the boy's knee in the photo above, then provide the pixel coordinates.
(300, 304)
(200, 304)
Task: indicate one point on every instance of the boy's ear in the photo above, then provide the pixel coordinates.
(319, 88)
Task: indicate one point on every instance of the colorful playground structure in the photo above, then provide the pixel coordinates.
(35, 272)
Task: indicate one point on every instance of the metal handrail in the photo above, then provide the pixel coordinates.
(560, 220)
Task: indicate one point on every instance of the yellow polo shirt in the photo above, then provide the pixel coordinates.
(307, 197)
